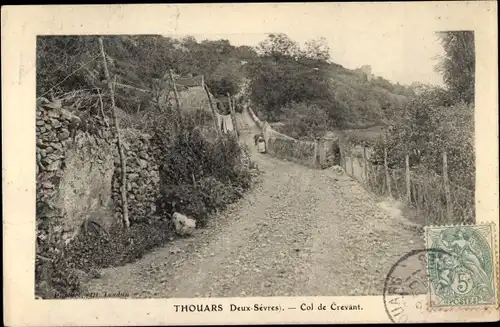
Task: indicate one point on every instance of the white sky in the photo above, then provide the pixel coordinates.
(397, 40)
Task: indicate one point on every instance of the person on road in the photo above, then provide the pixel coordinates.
(261, 145)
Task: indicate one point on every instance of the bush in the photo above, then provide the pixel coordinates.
(303, 121)
(55, 279)
(430, 124)
(59, 274)
(200, 176)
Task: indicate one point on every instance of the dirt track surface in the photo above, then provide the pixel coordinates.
(298, 232)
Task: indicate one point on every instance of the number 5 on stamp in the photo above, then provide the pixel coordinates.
(463, 275)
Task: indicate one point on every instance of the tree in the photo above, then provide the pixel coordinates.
(458, 63)
(226, 78)
(317, 49)
(277, 46)
(303, 120)
(244, 52)
(275, 84)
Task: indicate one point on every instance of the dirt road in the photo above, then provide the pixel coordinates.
(300, 231)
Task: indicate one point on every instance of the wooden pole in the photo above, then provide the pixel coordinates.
(344, 158)
(371, 177)
(449, 205)
(233, 114)
(341, 154)
(408, 178)
(214, 113)
(416, 196)
(102, 108)
(387, 177)
(344, 164)
(123, 159)
(394, 177)
(365, 164)
(352, 161)
(316, 149)
(322, 153)
(177, 101)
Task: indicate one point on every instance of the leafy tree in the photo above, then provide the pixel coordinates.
(430, 123)
(278, 46)
(275, 84)
(226, 78)
(458, 63)
(303, 120)
(244, 52)
(317, 49)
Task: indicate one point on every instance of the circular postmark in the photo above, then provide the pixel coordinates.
(406, 285)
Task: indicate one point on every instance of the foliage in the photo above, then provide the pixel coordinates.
(282, 73)
(430, 124)
(275, 85)
(195, 169)
(285, 74)
(60, 274)
(226, 78)
(317, 49)
(278, 46)
(458, 63)
(436, 119)
(54, 278)
(68, 63)
(302, 120)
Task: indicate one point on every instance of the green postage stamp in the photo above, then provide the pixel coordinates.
(462, 267)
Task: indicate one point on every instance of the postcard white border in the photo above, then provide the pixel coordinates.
(21, 24)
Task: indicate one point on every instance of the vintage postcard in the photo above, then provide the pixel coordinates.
(250, 163)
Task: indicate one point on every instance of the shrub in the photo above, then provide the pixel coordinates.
(430, 124)
(59, 274)
(304, 121)
(55, 279)
(199, 176)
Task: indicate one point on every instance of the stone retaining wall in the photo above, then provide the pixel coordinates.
(74, 165)
(143, 177)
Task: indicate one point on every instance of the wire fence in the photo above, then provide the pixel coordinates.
(437, 200)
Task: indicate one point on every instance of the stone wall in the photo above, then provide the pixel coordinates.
(321, 154)
(74, 160)
(288, 148)
(143, 178)
(254, 117)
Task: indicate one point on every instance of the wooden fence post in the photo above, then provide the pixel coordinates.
(121, 152)
(214, 113)
(373, 179)
(365, 164)
(316, 152)
(341, 161)
(416, 196)
(341, 154)
(233, 115)
(396, 187)
(322, 153)
(408, 178)
(351, 158)
(449, 205)
(177, 101)
(387, 177)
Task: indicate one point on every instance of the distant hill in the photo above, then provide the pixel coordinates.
(369, 100)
